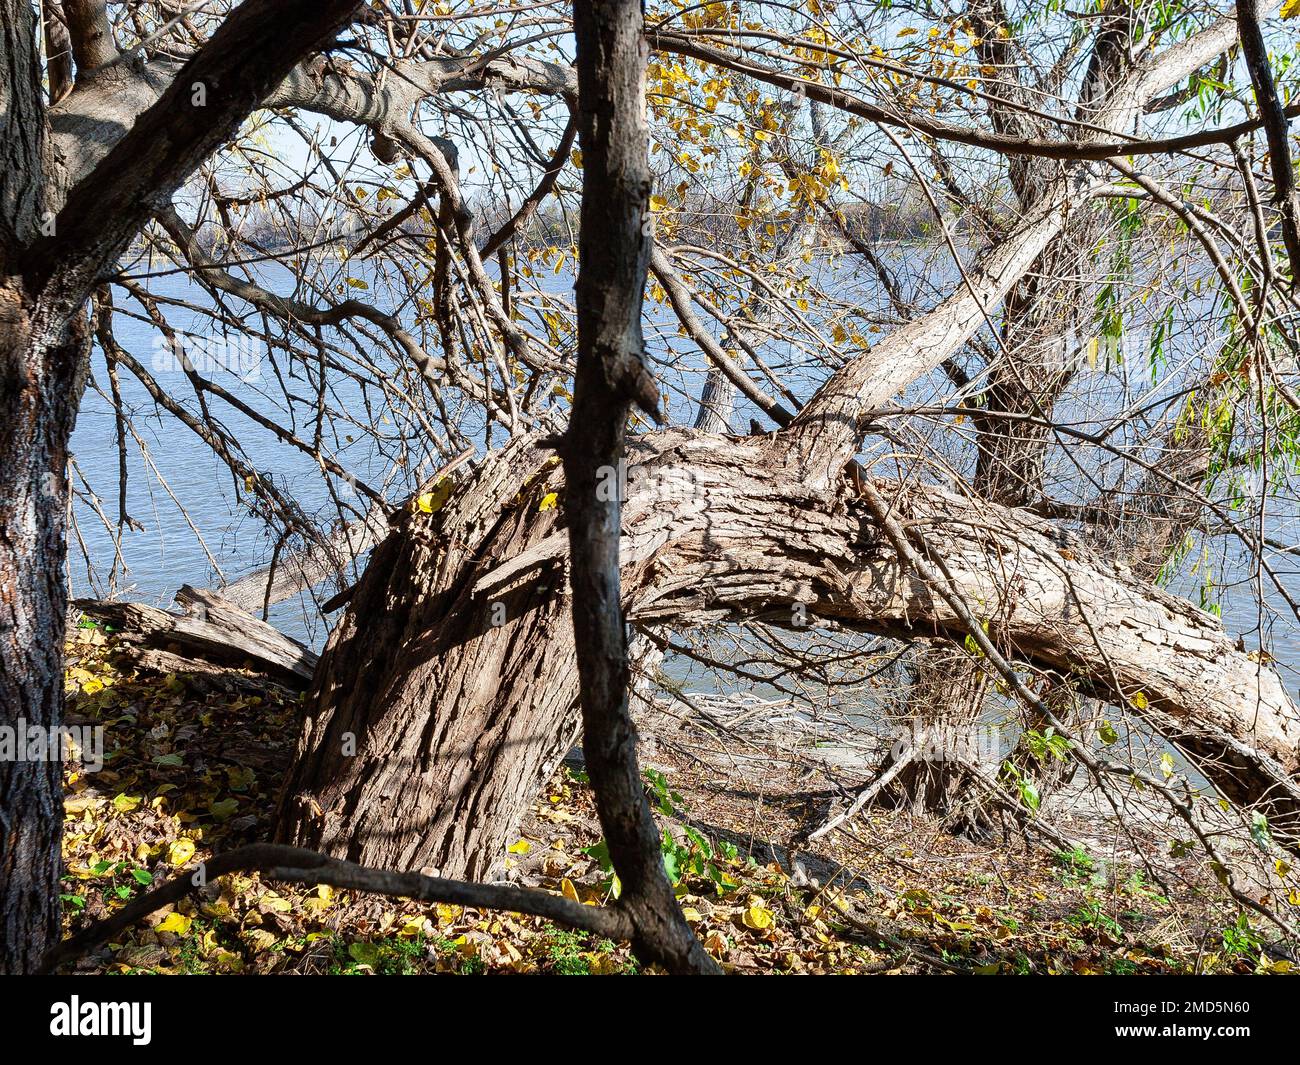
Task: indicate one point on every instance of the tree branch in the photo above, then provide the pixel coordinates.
(825, 434)
(1003, 144)
(309, 867)
(1274, 117)
(251, 52)
(91, 33)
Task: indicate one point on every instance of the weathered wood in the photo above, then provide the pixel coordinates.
(435, 712)
(746, 539)
(456, 722)
(211, 630)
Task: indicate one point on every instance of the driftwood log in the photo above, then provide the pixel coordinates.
(208, 635)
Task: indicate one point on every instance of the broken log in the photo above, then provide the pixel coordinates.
(210, 635)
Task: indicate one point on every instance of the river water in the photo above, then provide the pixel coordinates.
(168, 553)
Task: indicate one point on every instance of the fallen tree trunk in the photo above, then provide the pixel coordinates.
(211, 633)
(1047, 602)
(287, 577)
(455, 722)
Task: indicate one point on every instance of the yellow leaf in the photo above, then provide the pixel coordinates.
(1140, 700)
(180, 852)
(1167, 765)
(520, 847)
(174, 922)
(322, 900)
(414, 926)
(1291, 9)
(126, 803)
(432, 502)
(568, 890)
(548, 502)
(757, 916)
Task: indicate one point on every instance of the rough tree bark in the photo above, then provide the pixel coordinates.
(436, 710)
(36, 416)
(53, 249)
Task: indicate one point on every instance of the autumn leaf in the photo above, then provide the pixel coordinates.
(180, 852)
(432, 502)
(224, 809)
(757, 916)
(174, 922)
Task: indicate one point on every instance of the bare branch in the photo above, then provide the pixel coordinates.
(301, 866)
(1274, 117)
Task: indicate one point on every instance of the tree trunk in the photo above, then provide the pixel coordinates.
(449, 754)
(940, 737)
(437, 712)
(36, 416)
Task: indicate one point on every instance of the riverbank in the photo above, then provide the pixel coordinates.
(194, 762)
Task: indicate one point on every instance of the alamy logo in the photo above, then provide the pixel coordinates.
(79, 1018)
(25, 742)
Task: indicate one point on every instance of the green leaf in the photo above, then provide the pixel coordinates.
(600, 853)
(365, 953)
(224, 810)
